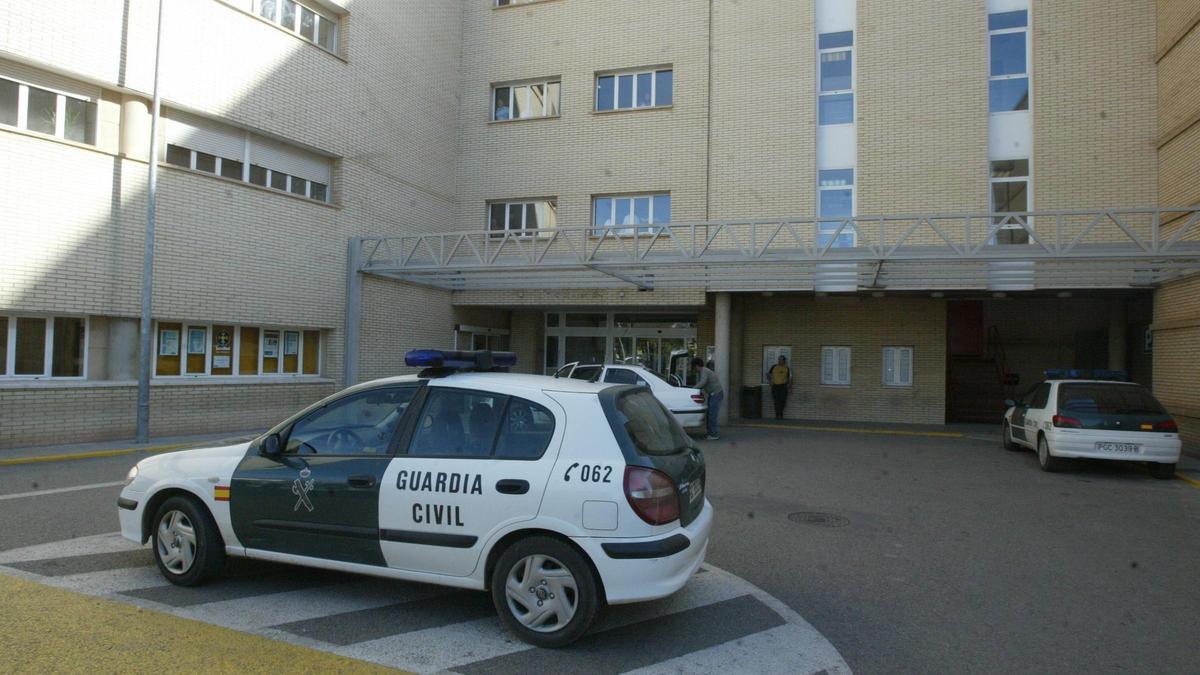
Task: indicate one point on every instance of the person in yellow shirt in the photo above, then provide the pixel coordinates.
(780, 376)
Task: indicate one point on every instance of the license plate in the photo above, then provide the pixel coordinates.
(1117, 447)
(695, 490)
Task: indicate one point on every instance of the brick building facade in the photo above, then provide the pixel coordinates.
(392, 117)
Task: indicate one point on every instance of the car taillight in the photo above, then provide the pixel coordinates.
(1064, 421)
(1167, 425)
(698, 398)
(651, 494)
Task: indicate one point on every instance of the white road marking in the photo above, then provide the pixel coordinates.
(792, 647)
(55, 491)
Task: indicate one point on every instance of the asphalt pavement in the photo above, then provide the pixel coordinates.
(909, 553)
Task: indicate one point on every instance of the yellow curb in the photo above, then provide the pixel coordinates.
(92, 454)
(1189, 480)
(52, 630)
(852, 430)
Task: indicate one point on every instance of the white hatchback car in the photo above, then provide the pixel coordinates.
(1095, 419)
(685, 403)
(557, 495)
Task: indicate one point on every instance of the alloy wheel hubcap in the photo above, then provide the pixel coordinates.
(176, 542)
(541, 593)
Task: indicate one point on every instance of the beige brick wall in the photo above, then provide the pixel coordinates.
(1177, 305)
(35, 416)
(922, 107)
(866, 325)
(227, 251)
(763, 109)
(582, 297)
(1093, 104)
(582, 153)
(1174, 17)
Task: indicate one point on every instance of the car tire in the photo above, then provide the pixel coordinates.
(1162, 471)
(1046, 461)
(187, 546)
(537, 579)
(1009, 444)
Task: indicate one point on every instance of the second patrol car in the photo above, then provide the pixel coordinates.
(1074, 415)
(556, 495)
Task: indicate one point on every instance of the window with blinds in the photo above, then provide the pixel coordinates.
(835, 366)
(206, 145)
(897, 366)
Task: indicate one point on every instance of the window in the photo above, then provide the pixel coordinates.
(476, 424)
(42, 346)
(626, 91)
(897, 366)
(525, 101)
(522, 217)
(835, 366)
(647, 423)
(622, 376)
(194, 349)
(835, 57)
(1010, 194)
(28, 107)
(1008, 56)
(631, 210)
(359, 424)
(305, 21)
(207, 145)
(586, 373)
(1040, 396)
(835, 199)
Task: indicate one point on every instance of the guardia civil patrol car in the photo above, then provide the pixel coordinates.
(1093, 415)
(556, 495)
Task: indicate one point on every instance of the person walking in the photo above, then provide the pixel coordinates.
(714, 394)
(780, 377)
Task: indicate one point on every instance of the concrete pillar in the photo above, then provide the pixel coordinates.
(1116, 335)
(738, 318)
(721, 351)
(135, 127)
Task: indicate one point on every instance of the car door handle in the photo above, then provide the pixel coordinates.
(364, 481)
(512, 486)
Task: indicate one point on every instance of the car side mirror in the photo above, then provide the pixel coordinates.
(1010, 403)
(270, 446)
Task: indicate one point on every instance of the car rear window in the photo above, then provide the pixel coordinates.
(651, 428)
(1108, 399)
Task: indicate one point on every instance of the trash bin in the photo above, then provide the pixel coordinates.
(752, 402)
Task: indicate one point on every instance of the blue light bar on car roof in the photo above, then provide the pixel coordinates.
(481, 359)
(1084, 374)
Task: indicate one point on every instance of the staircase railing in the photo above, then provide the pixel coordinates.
(995, 349)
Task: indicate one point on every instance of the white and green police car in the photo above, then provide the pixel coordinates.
(557, 495)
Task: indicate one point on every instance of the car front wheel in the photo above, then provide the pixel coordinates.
(1047, 461)
(1009, 444)
(545, 592)
(187, 546)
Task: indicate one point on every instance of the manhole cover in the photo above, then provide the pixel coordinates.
(818, 519)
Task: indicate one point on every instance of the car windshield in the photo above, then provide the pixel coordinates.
(651, 428)
(1107, 399)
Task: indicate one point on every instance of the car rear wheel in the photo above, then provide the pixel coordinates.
(1009, 444)
(187, 546)
(545, 592)
(1047, 461)
(1162, 471)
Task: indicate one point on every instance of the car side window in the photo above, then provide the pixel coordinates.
(1040, 397)
(526, 430)
(622, 376)
(458, 423)
(359, 424)
(585, 372)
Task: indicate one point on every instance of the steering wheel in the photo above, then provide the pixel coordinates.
(519, 418)
(343, 441)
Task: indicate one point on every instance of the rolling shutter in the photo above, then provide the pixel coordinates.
(291, 160)
(196, 133)
(50, 81)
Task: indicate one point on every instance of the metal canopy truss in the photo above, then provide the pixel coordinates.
(1110, 248)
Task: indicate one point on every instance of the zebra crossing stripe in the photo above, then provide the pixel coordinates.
(716, 623)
